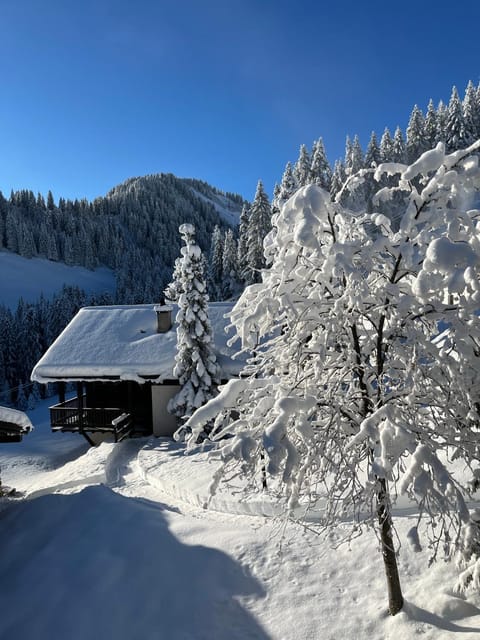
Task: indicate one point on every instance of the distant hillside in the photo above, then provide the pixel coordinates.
(133, 229)
(28, 278)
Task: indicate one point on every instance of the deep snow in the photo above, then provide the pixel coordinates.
(29, 277)
(113, 542)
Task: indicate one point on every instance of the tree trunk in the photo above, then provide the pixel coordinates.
(395, 597)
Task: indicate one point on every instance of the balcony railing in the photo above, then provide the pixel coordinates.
(72, 416)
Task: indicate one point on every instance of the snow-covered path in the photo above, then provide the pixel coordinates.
(113, 543)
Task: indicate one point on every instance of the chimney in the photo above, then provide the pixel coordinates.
(164, 317)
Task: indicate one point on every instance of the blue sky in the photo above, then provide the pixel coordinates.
(94, 92)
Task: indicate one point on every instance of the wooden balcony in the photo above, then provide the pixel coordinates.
(73, 416)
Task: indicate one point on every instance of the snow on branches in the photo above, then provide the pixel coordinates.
(369, 350)
(196, 367)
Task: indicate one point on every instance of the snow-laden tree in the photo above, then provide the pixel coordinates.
(230, 283)
(301, 170)
(386, 146)
(215, 273)
(354, 160)
(320, 170)
(471, 112)
(288, 186)
(259, 224)
(174, 287)
(398, 146)
(372, 154)
(431, 126)
(195, 363)
(242, 249)
(441, 120)
(416, 143)
(456, 133)
(338, 178)
(365, 384)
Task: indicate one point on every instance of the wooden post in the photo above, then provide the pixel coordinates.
(80, 405)
(61, 392)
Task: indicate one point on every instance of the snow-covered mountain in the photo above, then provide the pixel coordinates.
(133, 230)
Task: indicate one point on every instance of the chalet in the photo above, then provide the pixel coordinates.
(121, 361)
(13, 425)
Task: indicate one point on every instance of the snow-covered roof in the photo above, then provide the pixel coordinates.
(15, 418)
(122, 342)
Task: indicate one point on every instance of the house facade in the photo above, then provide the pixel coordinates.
(120, 360)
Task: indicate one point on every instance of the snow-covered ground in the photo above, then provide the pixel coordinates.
(30, 277)
(113, 542)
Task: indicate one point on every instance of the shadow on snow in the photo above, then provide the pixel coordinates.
(99, 565)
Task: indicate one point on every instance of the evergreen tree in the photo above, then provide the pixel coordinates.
(229, 267)
(196, 367)
(416, 143)
(214, 277)
(288, 186)
(398, 147)
(50, 201)
(471, 116)
(441, 121)
(242, 250)
(21, 401)
(320, 171)
(456, 135)
(259, 225)
(173, 289)
(372, 155)
(302, 167)
(276, 196)
(431, 126)
(386, 146)
(353, 156)
(338, 178)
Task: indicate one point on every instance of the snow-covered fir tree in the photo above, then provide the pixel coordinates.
(431, 126)
(456, 134)
(338, 178)
(242, 250)
(372, 154)
(301, 170)
(416, 143)
(288, 186)
(471, 112)
(441, 121)
(174, 287)
(398, 147)
(259, 224)
(22, 401)
(320, 170)
(215, 269)
(354, 160)
(195, 363)
(230, 283)
(386, 146)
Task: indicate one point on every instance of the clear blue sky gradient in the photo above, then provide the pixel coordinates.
(94, 92)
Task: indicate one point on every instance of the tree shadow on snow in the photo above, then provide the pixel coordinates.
(99, 565)
(460, 609)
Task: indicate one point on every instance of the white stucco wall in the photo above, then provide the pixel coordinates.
(164, 424)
